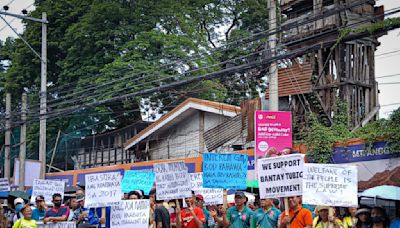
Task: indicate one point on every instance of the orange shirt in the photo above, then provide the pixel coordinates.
(303, 218)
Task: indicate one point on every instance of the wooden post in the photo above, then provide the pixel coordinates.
(22, 147)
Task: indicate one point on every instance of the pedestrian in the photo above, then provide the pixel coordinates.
(3, 216)
(324, 220)
(200, 204)
(350, 219)
(239, 215)
(58, 213)
(190, 217)
(298, 216)
(18, 205)
(363, 218)
(267, 215)
(379, 218)
(162, 218)
(40, 210)
(26, 221)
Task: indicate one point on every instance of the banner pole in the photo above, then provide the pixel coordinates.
(286, 202)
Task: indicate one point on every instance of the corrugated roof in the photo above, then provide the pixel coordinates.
(294, 80)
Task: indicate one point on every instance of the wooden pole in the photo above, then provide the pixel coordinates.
(54, 150)
(22, 147)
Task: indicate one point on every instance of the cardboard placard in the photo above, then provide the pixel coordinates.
(172, 180)
(227, 171)
(47, 188)
(138, 180)
(131, 213)
(212, 196)
(280, 176)
(4, 185)
(102, 189)
(330, 185)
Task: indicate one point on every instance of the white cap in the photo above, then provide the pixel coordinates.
(18, 200)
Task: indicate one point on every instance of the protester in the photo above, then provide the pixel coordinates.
(134, 195)
(323, 219)
(267, 215)
(84, 215)
(26, 221)
(72, 207)
(18, 205)
(239, 215)
(298, 216)
(40, 210)
(276, 203)
(363, 218)
(190, 217)
(350, 219)
(217, 213)
(161, 215)
(57, 213)
(200, 204)
(3, 216)
(379, 218)
(396, 222)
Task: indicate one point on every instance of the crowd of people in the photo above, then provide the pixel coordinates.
(194, 214)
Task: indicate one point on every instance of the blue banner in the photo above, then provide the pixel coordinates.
(137, 180)
(227, 171)
(68, 179)
(81, 176)
(361, 152)
(191, 167)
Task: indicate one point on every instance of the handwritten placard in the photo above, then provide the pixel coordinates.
(212, 196)
(102, 189)
(130, 213)
(4, 185)
(330, 185)
(137, 180)
(172, 180)
(280, 176)
(227, 171)
(47, 188)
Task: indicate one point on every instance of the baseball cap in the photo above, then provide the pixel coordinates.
(200, 197)
(18, 200)
(239, 193)
(39, 198)
(80, 198)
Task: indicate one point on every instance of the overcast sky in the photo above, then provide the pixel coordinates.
(387, 64)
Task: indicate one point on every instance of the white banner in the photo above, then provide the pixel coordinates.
(102, 189)
(212, 196)
(47, 188)
(330, 185)
(4, 185)
(280, 176)
(131, 213)
(172, 180)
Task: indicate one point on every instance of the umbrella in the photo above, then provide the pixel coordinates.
(18, 194)
(382, 192)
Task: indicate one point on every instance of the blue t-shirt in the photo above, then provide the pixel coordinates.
(207, 215)
(395, 223)
(108, 216)
(38, 214)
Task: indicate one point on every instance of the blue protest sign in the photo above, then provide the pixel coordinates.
(227, 171)
(137, 180)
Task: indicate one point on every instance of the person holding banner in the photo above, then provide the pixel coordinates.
(298, 217)
(190, 217)
(26, 221)
(267, 215)
(239, 215)
(323, 219)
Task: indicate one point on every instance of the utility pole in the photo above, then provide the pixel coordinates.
(273, 70)
(22, 147)
(43, 99)
(7, 140)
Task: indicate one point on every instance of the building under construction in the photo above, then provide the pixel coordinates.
(344, 71)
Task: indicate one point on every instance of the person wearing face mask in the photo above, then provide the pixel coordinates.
(58, 213)
(363, 218)
(379, 218)
(19, 204)
(26, 221)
